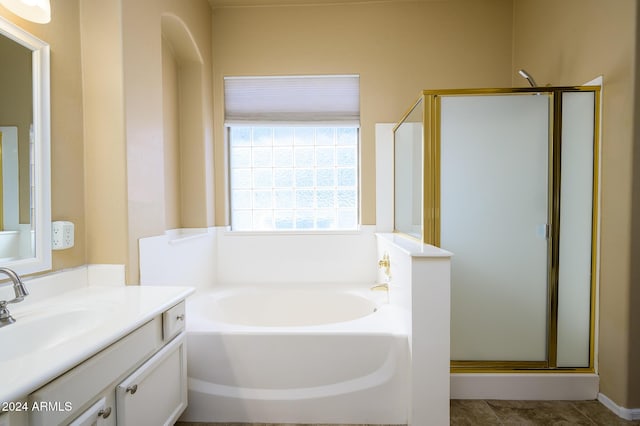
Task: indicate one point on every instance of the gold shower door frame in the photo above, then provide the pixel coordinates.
(431, 214)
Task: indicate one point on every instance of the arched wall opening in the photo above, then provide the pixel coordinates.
(184, 127)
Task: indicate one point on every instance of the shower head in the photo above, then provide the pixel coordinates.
(526, 75)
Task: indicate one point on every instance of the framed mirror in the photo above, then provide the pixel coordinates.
(25, 178)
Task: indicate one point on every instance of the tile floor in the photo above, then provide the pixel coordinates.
(515, 413)
(490, 412)
(269, 424)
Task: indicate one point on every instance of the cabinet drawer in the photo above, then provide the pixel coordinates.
(173, 321)
(101, 413)
(156, 393)
(77, 387)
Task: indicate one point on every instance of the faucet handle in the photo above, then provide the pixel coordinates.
(20, 292)
(5, 315)
(385, 264)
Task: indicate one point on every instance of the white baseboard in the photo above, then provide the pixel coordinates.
(525, 386)
(625, 413)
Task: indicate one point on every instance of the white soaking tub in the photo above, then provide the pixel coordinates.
(296, 354)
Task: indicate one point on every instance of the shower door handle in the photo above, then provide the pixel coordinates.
(543, 231)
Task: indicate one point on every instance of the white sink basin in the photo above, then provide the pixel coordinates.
(42, 331)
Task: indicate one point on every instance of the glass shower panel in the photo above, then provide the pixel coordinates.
(576, 224)
(494, 214)
(408, 173)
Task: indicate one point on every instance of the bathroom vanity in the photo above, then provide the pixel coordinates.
(96, 355)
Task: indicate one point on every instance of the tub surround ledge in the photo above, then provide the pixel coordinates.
(420, 283)
(412, 247)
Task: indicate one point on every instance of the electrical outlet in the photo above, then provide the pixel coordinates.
(62, 235)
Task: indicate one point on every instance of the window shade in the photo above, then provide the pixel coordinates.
(332, 99)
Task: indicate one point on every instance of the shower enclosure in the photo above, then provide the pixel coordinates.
(506, 179)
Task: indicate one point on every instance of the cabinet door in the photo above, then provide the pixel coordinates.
(156, 393)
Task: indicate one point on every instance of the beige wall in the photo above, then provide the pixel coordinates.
(105, 167)
(91, 159)
(142, 41)
(67, 152)
(107, 176)
(127, 195)
(142, 72)
(398, 48)
(171, 136)
(568, 43)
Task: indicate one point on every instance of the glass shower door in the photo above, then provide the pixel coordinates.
(494, 211)
(576, 219)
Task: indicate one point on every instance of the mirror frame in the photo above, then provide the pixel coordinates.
(41, 155)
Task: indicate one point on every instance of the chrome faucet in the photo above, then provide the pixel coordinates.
(20, 292)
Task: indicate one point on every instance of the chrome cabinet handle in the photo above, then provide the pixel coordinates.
(105, 412)
(180, 317)
(133, 389)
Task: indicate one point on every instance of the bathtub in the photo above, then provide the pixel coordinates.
(296, 354)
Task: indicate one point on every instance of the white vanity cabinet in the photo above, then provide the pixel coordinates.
(15, 414)
(138, 380)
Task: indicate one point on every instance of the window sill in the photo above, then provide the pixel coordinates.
(284, 233)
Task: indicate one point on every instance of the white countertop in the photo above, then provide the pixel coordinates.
(107, 314)
(413, 247)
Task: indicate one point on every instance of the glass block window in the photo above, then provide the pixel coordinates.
(293, 177)
(293, 151)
